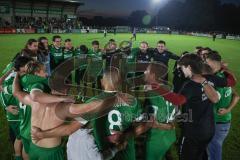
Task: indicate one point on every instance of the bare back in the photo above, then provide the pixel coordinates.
(44, 117)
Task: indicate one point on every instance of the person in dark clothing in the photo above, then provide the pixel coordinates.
(43, 55)
(30, 49)
(162, 55)
(214, 36)
(197, 113)
(198, 50)
(134, 34)
(105, 33)
(204, 52)
(144, 53)
(111, 55)
(198, 124)
(178, 76)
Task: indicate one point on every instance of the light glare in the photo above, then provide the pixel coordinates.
(156, 1)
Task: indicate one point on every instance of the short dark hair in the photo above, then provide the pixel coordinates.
(21, 61)
(95, 43)
(30, 42)
(83, 49)
(68, 40)
(144, 42)
(112, 40)
(55, 37)
(41, 38)
(207, 48)
(198, 47)
(206, 69)
(40, 43)
(192, 60)
(159, 69)
(185, 52)
(214, 55)
(162, 42)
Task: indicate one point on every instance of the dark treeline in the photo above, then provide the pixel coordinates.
(192, 15)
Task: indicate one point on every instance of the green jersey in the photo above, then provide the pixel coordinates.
(131, 62)
(224, 102)
(78, 52)
(97, 54)
(94, 68)
(68, 53)
(25, 124)
(7, 97)
(118, 119)
(132, 56)
(8, 83)
(56, 54)
(29, 83)
(8, 68)
(159, 141)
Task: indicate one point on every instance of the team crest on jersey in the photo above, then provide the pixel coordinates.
(228, 92)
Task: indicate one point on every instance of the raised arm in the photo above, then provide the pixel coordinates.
(2, 79)
(231, 79)
(94, 109)
(41, 97)
(22, 96)
(173, 56)
(174, 98)
(210, 92)
(86, 111)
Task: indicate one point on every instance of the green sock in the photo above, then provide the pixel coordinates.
(18, 158)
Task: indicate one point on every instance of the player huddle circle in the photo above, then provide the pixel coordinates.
(115, 102)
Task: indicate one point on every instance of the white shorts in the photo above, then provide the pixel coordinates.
(81, 146)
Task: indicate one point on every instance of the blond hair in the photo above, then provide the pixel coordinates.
(34, 67)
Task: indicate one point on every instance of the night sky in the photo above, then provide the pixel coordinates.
(123, 8)
(231, 1)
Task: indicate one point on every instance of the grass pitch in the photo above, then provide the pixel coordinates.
(229, 49)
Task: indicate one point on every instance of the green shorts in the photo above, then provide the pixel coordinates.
(40, 153)
(26, 144)
(15, 128)
(159, 143)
